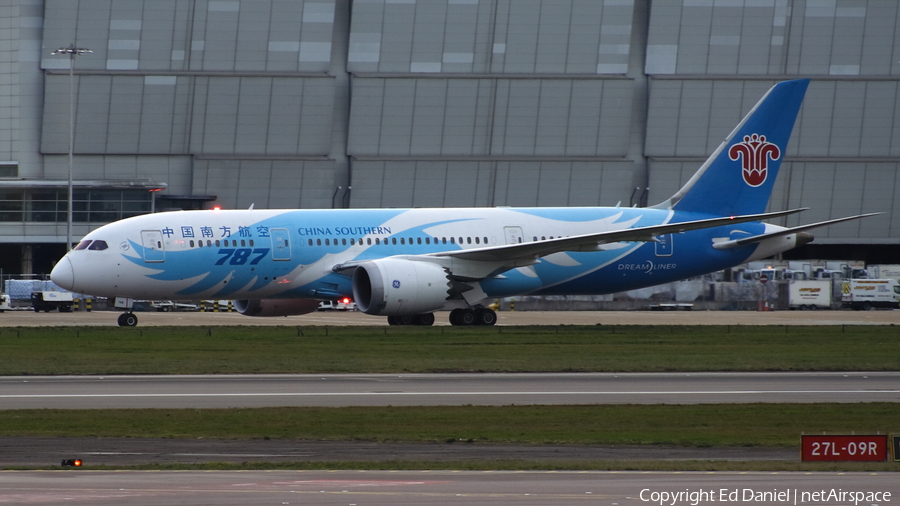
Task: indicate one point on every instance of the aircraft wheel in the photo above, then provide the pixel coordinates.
(467, 317)
(486, 317)
(405, 320)
(392, 320)
(454, 317)
(128, 320)
(426, 319)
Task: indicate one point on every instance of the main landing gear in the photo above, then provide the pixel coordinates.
(426, 319)
(473, 316)
(468, 316)
(128, 320)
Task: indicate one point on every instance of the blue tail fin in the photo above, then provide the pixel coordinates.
(738, 177)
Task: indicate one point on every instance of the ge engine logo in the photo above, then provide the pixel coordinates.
(396, 283)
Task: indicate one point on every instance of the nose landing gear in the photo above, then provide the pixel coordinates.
(128, 320)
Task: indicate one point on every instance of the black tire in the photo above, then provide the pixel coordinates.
(866, 306)
(128, 320)
(486, 317)
(426, 319)
(392, 320)
(454, 317)
(405, 319)
(467, 317)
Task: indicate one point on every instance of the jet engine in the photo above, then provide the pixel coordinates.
(398, 287)
(276, 307)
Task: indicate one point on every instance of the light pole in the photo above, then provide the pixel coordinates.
(72, 51)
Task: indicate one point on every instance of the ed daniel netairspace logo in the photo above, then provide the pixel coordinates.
(749, 495)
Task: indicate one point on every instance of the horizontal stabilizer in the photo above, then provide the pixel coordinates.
(757, 238)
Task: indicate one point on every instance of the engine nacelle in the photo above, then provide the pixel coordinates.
(275, 307)
(397, 287)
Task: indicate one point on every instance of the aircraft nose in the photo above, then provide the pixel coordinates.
(63, 274)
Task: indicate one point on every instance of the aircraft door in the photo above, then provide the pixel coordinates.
(281, 245)
(514, 235)
(664, 246)
(152, 242)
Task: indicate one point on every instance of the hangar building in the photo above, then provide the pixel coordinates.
(391, 103)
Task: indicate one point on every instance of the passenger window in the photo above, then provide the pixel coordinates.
(318, 242)
(243, 243)
(327, 242)
(402, 241)
(377, 241)
(310, 242)
(418, 240)
(352, 241)
(343, 242)
(452, 240)
(217, 243)
(369, 241)
(251, 243)
(468, 240)
(428, 240)
(394, 241)
(98, 245)
(192, 243)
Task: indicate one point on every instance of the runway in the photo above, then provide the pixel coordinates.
(498, 488)
(253, 391)
(504, 318)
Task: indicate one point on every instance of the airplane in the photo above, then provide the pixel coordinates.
(408, 263)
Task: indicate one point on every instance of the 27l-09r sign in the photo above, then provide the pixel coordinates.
(844, 448)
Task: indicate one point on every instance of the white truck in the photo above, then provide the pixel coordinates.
(809, 294)
(884, 271)
(866, 294)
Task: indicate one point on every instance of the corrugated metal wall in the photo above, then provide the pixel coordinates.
(469, 102)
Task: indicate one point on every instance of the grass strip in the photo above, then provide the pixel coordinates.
(322, 350)
(704, 425)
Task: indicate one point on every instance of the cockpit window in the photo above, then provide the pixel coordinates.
(83, 244)
(98, 245)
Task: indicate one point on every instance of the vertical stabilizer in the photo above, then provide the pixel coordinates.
(738, 177)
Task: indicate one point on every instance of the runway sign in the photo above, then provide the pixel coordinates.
(844, 448)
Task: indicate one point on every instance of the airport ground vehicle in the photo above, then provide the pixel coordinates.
(48, 301)
(865, 294)
(884, 271)
(809, 294)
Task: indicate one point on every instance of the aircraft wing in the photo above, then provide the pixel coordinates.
(757, 238)
(528, 252)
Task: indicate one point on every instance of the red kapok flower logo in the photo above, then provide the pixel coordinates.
(754, 153)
